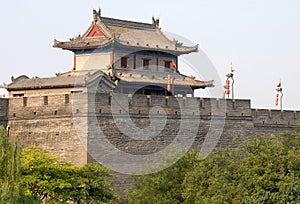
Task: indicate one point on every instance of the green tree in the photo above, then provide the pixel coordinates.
(166, 186)
(57, 181)
(10, 168)
(10, 173)
(261, 170)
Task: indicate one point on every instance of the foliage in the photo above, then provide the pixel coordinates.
(262, 170)
(164, 187)
(35, 176)
(10, 171)
(10, 152)
(57, 181)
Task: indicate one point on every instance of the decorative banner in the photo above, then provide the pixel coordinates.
(276, 99)
(231, 68)
(279, 85)
(174, 66)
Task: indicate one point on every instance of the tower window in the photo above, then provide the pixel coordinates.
(124, 62)
(167, 65)
(18, 95)
(45, 100)
(25, 101)
(67, 98)
(146, 63)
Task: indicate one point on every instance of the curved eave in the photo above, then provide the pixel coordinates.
(72, 46)
(204, 84)
(201, 87)
(174, 52)
(84, 46)
(44, 87)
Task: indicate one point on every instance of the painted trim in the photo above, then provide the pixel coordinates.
(134, 62)
(74, 68)
(112, 58)
(95, 32)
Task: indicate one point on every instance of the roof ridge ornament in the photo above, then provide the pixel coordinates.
(155, 22)
(96, 14)
(177, 43)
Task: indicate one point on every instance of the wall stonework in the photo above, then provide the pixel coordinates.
(49, 126)
(52, 126)
(3, 112)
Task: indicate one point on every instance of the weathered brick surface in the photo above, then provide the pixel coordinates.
(3, 112)
(49, 126)
(52, 126)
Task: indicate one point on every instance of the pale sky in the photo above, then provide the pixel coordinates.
(260, 37)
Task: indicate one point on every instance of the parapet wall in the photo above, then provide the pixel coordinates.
(268, 122)
(200, 106)
(49, 122)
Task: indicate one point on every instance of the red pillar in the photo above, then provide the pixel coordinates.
(112, 58)
(74, 68)
(134, 62)
(157, 64)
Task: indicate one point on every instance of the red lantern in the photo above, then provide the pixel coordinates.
(227, 87)
(276, 100)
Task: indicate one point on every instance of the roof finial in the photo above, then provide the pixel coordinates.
(99, 12)
(155, 22)
(95, 14)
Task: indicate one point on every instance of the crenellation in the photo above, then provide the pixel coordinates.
(53, 125)
(264, 116)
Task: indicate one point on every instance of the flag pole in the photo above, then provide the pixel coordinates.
(232, 88)
(230, 76)
(279, 89)
(281, 99)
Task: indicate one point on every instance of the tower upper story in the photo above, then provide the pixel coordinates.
(131, 52)
(126, 44)
(131, 57)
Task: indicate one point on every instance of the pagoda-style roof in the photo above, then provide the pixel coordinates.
(104, 32)
(160, 79)
(74, 79)
(70, 79)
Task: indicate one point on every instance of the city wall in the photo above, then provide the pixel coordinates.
(51, 125)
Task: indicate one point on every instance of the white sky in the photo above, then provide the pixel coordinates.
(260, 37)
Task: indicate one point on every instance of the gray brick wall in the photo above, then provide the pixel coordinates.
(52, 126)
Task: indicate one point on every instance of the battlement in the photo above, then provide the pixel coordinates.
(61, 106)
(141, 104)
(48, 121)
(268, 119)
(42, 106)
